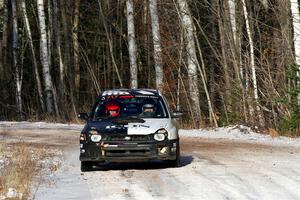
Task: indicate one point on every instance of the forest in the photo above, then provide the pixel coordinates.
(221, 62)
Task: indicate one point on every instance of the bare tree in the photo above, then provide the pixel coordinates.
(18, 69)
(34, 60)
(191, 51)
(110, 45)
(76, 45)
(156, 43)
(252, 63)
(3, 41)
(236, 50)
(192, 61)
(57, 36)
(296, 34)
(49, 88)
(132, 44)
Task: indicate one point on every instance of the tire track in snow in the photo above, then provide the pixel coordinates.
(256, 179)
(204, 183)
(118, 184)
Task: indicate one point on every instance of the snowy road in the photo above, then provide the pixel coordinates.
(211, 168)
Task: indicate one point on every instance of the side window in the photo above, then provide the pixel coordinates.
(165, 106)
(99, 110)
(160, 111)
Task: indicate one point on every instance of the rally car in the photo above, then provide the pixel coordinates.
(128, 125)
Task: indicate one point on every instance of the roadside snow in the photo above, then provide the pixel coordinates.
(240, 133)
(38, 125)
(2, 163)
(217, 164)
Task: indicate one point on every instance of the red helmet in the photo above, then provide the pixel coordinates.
(112, 109)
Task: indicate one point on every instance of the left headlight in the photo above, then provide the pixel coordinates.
(96, 138)
(160, 135)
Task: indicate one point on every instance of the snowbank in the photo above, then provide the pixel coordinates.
(238, 132)
(38, 125)
(241, 133)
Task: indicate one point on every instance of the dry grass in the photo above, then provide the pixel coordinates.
(23, 169)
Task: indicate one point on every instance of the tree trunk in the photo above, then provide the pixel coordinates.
(191, 55)
(45, 59)
(34, 60)
(56, 25)
(76, 47)
(156, 43)
(18, 70)
(237, 51)
(225, 57)
(132, 45)
(296, 35)
(110, 45)
(3, 40)
(252, 64)
(232, 16)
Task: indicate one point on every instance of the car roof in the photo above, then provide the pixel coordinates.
(146, 91)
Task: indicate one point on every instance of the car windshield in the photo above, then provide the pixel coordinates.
(130, 106)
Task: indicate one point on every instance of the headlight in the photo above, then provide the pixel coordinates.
(96, 138)
(159, 136)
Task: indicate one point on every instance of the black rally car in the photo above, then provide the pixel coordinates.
(129, 125)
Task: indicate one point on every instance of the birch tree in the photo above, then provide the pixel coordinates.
(156, 43)
(192, 61)
(3, 41)
(132, 44)
(76, 45)
(18, 69)
(44, 56)
(296, 35)
(252, 63)
(232, 16)
(237, 51)
(56, 25)
(191, 51)
(34, 60)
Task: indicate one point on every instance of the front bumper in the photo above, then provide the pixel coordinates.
(124, 151)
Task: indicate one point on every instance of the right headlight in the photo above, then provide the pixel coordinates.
(96, 138)
(160, 135)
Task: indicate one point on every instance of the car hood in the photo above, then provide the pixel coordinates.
(148, 127)
(145, 128)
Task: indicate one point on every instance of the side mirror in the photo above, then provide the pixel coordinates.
(83, 116)
(176, 114)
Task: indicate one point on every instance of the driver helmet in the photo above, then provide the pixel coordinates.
(148, 108)
(112, 109)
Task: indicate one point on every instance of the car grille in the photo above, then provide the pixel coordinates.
(128, 138)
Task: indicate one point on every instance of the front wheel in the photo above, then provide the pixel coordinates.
(86, 166)
(175, 163)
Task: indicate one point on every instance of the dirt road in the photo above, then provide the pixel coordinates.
(210, 169)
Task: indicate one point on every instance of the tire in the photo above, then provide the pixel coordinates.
(86, 166)
(175, 163)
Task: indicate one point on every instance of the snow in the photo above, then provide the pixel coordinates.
(12, 193)
(2, 163)
(237, 132)
(38, 125)
(223, 163)
(240, 133)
